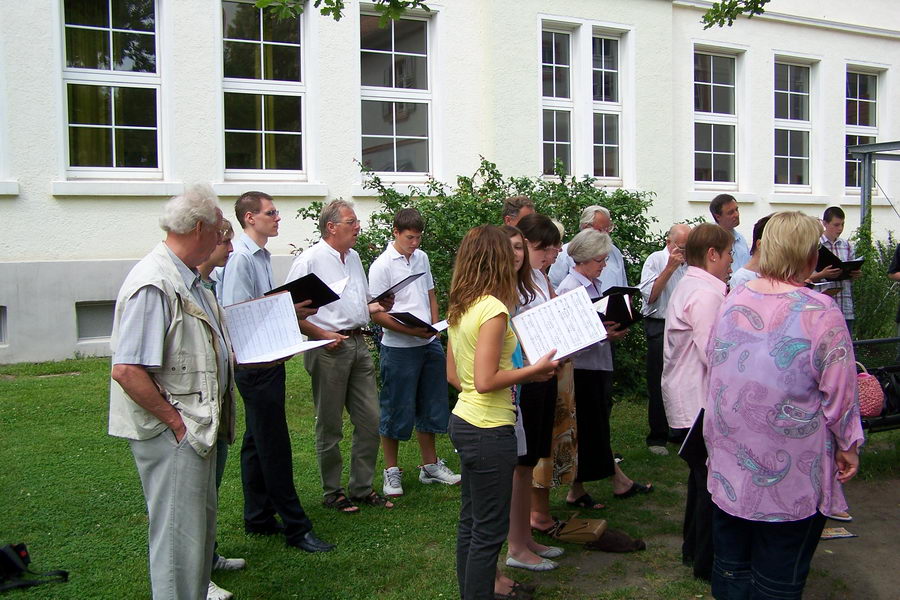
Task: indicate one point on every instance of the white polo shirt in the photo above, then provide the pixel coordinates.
(390, 269)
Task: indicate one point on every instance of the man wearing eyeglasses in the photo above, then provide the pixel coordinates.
(596, 217)
(725, 212)
(661, 273)
(267, 470)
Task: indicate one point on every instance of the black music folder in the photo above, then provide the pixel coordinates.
(828, 259)
(308, 287)
(397, 287)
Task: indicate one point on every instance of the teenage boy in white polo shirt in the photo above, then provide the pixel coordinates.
(413, 365)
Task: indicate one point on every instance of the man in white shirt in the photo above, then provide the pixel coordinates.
(613, 274)
(661, 273)
(725, 212)
(342, 373)
(412, 362)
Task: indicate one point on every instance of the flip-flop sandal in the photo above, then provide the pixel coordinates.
(841, 516)
(341, 503)
(585, 501)
(636, 488)
(374, 499)
(552, 530)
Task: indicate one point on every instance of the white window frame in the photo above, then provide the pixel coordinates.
(268, 87)
(112, 78)
(581, 104)
(419, 96)
(858, 130)
(806, 126)
(712, 118)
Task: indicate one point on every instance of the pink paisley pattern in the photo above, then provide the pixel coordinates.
(782, 397)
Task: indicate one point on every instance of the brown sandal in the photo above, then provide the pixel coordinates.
(341, 503)
(374, 499)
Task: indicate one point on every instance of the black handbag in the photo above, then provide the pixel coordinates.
(14, 561)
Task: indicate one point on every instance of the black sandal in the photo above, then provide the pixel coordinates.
(341, 503)
(374, 499)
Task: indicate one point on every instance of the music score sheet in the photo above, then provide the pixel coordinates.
(568, 323)
(265, 329)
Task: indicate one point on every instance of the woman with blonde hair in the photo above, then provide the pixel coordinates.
(782, 423)
(479, 364)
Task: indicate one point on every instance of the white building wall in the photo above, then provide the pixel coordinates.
(69, 241)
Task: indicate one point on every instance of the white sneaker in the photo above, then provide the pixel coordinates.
(392, 486)
(228, 564)
(216, 593)
(438, 473)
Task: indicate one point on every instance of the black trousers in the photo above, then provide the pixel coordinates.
(267, 468)
(656, 410)
(592, 404)
(697, 547)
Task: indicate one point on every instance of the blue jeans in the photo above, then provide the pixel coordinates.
(413, 390)
(760, 560)
(487, 458)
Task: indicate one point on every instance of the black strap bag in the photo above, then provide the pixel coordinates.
(14, 561)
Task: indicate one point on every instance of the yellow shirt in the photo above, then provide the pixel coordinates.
(493, 409)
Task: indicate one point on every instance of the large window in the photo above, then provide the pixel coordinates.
(715, 118)
(861, 120)
(582, 102)
(112, 86)
(792, 124)
(264, 91)
(395, 95)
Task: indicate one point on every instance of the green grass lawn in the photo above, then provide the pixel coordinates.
(72, 494)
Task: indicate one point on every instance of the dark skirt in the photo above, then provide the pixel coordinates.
(592, 404)
(537, 403)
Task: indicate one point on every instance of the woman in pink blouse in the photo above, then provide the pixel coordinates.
(689, 319)
(782, 420)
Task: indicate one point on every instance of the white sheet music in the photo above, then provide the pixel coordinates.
(265, 329)
(568, 323)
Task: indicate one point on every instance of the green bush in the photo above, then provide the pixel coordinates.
(449, 212)
(875, 296)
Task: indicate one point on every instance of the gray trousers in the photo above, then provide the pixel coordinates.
(180, 489)
(345, 378)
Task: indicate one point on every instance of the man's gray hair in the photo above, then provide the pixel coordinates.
(331, 213)
(589, 244)
(182, 213)
(587, 215)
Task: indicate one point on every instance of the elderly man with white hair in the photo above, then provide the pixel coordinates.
(171, 393)
(597, 218)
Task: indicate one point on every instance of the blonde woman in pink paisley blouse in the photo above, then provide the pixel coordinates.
(782, 420)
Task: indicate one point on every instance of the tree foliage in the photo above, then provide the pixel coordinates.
(726, 11)
(387, 9)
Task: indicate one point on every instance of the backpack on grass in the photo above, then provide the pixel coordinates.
(14, 560)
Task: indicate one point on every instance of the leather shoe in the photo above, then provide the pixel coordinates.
(310, 543)
(273, 528)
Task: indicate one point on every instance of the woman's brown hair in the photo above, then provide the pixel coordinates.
(524, 283)
(484, 266)
(702, 238)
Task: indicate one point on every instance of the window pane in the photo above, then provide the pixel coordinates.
(599, 136)
(611, 54)
(410, 36)
(135, 106)
(851, 173)
(702, 137)
(702, 68)
(136, 15)
(548, 126)
(280, 30)
(781, 106)
(134, 52)
(723, 100)
(798, 170)
(136, 148)
(378, 154)
(599, 162)
(597, 52)
(799, 107)
(242, 60)
(851, 112)
(702, 166)
(373, 37)
(723, 138)
(90, 147)
(561, 82)
(866, 113)
(781, 171)
(800, 143)
(546, 47)
(562, 154)
(412, 155)
(852, 85)
(561, 48)
(799, 79)
(94, 13)
(596, 85)
(702, 98)
(411, 72)
(243, 111)
(376, 69)
(243, 151)
(781, 142)
(723, 167)
(610, 87)
(612, 129)
(89, 105)
(240, 21)
(612, 161)
(412, 118)
(284, 152)
(547, 81)
(781, 77)
(283, 113)
(377, 118)
(867, 87)
(723, 70)
(282, 62)
(548, 159)
(562, 126)
(87, 49)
